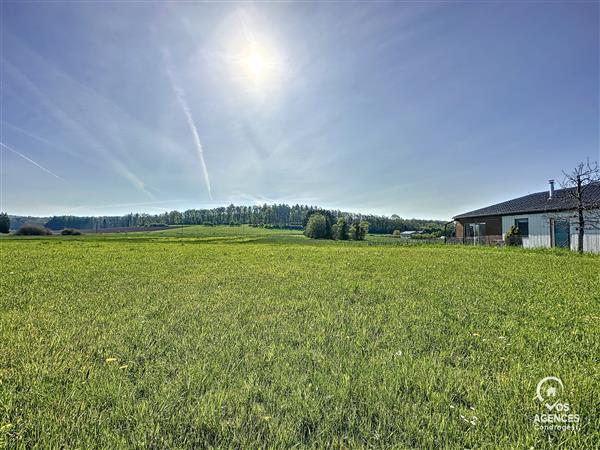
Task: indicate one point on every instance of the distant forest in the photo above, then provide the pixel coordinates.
(270, 216)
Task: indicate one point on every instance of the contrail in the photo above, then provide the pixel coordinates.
(188, 114)
(32, 161)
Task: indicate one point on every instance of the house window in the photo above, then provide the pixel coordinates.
(523, 226)
(475, 232)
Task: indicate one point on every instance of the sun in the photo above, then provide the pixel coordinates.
(257, 63)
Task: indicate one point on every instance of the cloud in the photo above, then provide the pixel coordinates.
(121, 205)
(32, 161)
(188, 115)
(74, 125)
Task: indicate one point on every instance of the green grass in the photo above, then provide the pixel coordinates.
(244, 338)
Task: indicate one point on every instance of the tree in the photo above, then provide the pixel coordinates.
(363, 229)
(327, 215)
(358, 230)
(340, 230)
(316, 228)
(4, 223)
(513, 237)
(577, 185)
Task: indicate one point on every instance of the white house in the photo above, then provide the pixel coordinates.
(545, 219)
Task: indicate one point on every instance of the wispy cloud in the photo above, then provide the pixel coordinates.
(26, 158)
(179, 92)
(27, 133)
(68, 121)
(120, 205)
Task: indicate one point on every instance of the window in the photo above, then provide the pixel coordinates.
(523, 226)
(475, 232)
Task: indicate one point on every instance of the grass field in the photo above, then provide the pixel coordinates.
(240, 337)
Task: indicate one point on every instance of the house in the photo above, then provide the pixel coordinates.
(545, 219)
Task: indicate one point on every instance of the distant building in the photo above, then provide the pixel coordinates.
(545, 219)
(408, 234)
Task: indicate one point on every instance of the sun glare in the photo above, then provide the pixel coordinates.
(257, 64)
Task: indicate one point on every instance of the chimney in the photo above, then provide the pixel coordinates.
(551, 190)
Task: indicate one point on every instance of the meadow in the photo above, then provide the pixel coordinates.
(238, 337)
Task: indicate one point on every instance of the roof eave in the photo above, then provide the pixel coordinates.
(512, 213)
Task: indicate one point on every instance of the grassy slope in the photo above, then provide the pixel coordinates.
(270, 339)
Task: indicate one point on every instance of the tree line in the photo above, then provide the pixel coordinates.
(270, 216)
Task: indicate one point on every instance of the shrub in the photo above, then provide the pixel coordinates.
(30, 229)
(513, 236)
(397, 233)
(316, 228)
(70, 232)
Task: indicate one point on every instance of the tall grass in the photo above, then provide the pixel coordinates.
(274, 341)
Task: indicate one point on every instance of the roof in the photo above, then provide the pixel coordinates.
(562, 200)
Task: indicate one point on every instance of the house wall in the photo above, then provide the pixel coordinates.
(459, 229)
(493, 225)
(540, 230)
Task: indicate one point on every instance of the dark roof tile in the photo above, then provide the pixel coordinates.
(538, 202)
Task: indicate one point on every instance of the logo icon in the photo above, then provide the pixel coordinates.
(549, 391)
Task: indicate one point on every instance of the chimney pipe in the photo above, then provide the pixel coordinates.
(551, 182)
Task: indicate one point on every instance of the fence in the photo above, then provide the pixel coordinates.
(494, 240)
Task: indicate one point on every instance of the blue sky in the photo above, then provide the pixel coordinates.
(418, 109)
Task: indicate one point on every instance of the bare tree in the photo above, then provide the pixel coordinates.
(579, 183)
